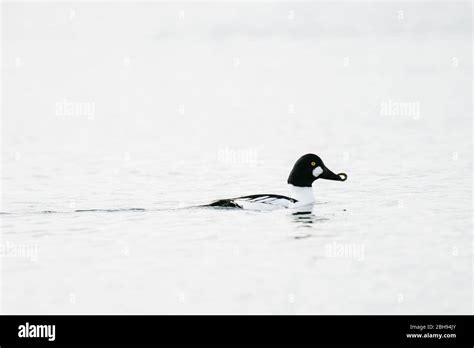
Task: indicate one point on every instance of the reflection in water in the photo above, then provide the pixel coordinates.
(305, 218)
(304, 215)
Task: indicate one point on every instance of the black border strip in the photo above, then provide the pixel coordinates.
(241, 330)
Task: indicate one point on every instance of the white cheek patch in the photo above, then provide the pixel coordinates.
(317, 171)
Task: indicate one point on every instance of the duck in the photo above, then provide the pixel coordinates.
(307, 169)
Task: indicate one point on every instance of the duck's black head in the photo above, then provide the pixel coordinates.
(309, 168)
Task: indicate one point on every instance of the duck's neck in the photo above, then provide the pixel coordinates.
(304, 195)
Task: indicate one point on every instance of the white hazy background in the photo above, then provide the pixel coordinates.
(113, 106)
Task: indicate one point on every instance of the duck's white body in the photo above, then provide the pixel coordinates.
(301, 197)
(263, 202)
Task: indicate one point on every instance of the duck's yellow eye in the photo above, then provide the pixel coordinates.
(313, 163)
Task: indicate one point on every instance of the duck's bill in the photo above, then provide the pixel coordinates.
(329, 175)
